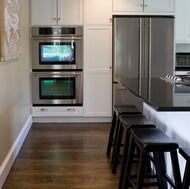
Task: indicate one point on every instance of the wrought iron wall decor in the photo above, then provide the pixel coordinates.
(9, 29)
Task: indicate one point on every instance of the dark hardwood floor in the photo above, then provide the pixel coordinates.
(63, 156)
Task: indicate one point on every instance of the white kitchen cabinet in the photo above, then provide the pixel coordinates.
(97, 71)
(56, 12)
(97, 12)
(182, 17)
(143, 6)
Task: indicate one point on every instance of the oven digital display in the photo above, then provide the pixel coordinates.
(57, 53)
(57, 88)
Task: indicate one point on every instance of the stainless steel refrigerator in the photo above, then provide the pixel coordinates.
(143, 47)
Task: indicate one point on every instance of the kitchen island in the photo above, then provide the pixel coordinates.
(159, 94)
(167, 105)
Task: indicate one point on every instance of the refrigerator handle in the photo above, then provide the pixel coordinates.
(140, 51)
(149, 47)
(140, 46)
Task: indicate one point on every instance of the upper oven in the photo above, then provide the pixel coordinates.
(57, 48)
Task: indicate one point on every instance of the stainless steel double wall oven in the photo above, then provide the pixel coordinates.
(57, 66)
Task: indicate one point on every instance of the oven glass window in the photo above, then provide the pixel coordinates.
(57, 88)
(57, 52)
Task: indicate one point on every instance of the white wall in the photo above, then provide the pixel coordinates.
(14, 94)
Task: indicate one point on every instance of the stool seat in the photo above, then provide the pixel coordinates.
(129, 120)
(155, 141)
(126, 109)
(185, 152)
(117, 111)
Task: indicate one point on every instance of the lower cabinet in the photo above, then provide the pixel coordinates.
(97, 71)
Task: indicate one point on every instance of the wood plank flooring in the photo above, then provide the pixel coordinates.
(63, 156)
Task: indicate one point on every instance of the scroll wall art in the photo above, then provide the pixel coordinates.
(9, 29)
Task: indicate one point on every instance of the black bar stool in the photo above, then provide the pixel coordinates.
(156, 141)
(117, 111)
(185, 152)
(127, 122)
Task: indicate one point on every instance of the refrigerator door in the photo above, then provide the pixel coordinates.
(126, 47)
(161, 46)
(126, 57)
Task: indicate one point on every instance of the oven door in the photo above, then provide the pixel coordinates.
(57, 88)
(57, 53)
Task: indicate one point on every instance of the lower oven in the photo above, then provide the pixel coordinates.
(57, 88)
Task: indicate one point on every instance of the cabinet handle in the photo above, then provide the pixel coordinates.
(71, 109)
(59, 18)
(44, 109)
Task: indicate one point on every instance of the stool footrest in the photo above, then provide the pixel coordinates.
(146, 184)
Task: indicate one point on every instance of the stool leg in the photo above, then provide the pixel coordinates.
(128, 168)
(176, 170)
(116, 149)
(186, 180)
(158, 162)
(140, 178)
(111, 135)
(124, 159)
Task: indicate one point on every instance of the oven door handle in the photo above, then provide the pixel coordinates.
(56, 74)
(57, 38)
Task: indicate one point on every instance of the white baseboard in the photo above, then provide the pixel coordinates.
(9, 160)
(71, 119)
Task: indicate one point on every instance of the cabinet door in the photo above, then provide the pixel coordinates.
(97, 12)
(43, 12)
(70, 12)
(182, 16)
(159, 5)
(97, 71)
(144, 6)
(127, 5)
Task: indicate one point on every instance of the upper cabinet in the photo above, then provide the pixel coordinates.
(143, 6)
(56, 12)
(182, 17)
(97, 12)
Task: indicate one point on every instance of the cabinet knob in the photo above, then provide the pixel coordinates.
(146, 5)
(59, 18)
(54, 18)
(141, 5)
